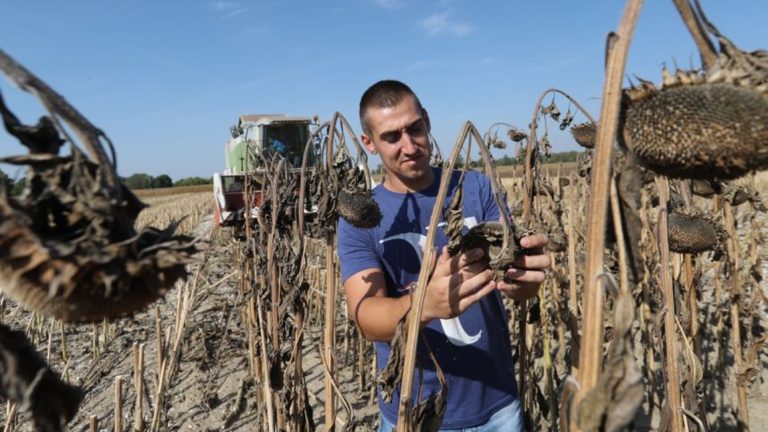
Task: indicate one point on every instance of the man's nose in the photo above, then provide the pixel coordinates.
(409, 143)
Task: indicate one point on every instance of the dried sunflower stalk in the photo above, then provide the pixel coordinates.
(68, 248)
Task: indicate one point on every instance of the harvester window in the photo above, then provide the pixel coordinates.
(233, 184)
(288, 141)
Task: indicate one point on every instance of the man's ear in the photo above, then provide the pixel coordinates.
(368, 143)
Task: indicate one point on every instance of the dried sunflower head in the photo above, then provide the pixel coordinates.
(703, 125)
(68, 247)
(585, 134)
(489, 236)
(77, 258)
(704, 130)
(692, 233)
(358, 208)
(353, 200)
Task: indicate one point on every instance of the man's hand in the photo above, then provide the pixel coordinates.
(457, 282)
(524, 279)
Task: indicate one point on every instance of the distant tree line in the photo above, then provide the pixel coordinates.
(146, 181)
(134, 181)
(11, 186)
(560, 157)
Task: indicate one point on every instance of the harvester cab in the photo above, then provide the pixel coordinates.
(261, 135)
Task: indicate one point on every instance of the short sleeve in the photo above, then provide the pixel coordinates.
(356, 250)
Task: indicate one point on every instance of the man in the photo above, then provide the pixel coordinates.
(463, 318)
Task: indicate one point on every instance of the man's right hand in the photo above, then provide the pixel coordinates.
(457, 282)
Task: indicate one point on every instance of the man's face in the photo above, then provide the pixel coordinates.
(400, 135)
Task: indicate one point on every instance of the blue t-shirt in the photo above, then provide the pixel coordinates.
(473, 349)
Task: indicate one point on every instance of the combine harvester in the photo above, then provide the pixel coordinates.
(261, 135)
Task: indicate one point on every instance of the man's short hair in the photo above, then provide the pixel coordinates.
(384, 94)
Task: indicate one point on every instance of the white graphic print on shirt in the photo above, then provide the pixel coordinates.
(451, 327)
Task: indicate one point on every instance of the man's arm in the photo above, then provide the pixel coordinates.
(457, 283)
(367, 303)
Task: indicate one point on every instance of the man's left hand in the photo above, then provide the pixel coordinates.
(527, 273)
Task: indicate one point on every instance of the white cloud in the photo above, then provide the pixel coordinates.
(389, 4)
(228, 9)
(441, 23)
(224, 6)
(424, 64)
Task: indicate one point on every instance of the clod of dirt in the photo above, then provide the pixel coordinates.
(358, 208)
(28, 381)
(584, 134)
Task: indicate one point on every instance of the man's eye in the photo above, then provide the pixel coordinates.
(391, 137)
(418, 128)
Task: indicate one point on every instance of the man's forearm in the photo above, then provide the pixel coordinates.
(377, 317)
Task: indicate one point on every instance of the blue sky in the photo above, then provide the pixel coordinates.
(166, 79)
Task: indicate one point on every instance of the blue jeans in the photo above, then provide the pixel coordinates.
(507, 419)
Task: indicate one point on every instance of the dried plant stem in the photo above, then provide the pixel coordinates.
(119, 403)
(50, 341)
(329, 335)
(64, 352)
(60, 110)
(10, 416)
(592, 335)
(720, 326)
(95, 341)
(573, 300)
(735, 297)
(703, 42)
(545, 327)
(693, 304)
(138, 386)
(556, 299)
(532, 140)
(248, 319)
(338, 392)
(374, 369)
(361, 357)
(106, 331)
(621, 245)
(159, 342)
(673, 399)
(266, 387)
(693, 327)
(573, 294)
(93, 424)
(274, 287)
